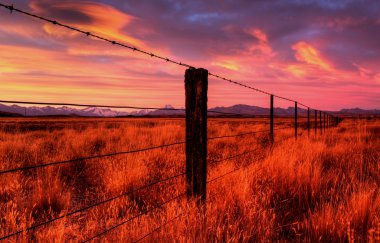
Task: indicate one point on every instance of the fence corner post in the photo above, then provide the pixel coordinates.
(196, 84)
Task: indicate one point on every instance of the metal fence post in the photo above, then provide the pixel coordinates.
(295, 119)
(271, 119)
(196, 83)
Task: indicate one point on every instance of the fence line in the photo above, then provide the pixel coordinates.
(122, 153)
(11, 8)
(119, 107)
(196, 84)
(130, 219)
(90, 206)
(171, 220)
(89, 158)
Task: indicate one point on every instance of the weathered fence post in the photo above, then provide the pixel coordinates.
(320, 121)
(324, 121)
(295, 119)
(328, 121)
(271, 119)
(315, 122)
(196, 83)
(308, 121)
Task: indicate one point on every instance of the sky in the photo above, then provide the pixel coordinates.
(325, 54)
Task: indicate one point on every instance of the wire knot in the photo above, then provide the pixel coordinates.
(11, 8)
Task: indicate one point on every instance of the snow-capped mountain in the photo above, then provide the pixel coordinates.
(167, 110)
(88, 111)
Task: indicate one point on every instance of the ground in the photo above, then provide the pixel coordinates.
(318, 187)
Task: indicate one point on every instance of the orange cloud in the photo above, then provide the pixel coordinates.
(105, 20)
(227, 65)
(296, 70)
(308, 54)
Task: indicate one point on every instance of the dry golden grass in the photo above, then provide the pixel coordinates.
(322, 188)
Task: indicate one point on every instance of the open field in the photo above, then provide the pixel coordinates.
(322, 188)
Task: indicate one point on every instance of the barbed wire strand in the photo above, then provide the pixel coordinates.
(90, 206)
(117, 107)
(209, 181)
(89, 158)
(134, 217)
(247, 133)
(11, 8)
(117, 153)
(173, 219)
(89, 34)
(231, 157)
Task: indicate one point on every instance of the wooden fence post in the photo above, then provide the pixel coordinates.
(196, 83)
(295, 119)
(320, 121)
(308, 121)
(324, 121)
(315, 122)
(271, 119)
(328, 121)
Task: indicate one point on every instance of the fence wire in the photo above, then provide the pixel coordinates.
(89, 207)
(89, 158)
(12, 9)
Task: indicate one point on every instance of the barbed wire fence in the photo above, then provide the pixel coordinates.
(196, 115)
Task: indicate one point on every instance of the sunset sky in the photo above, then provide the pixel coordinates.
(325, 54)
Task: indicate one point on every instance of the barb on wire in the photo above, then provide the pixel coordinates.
(116, 107)
(90, 206)
(225, 174)
(88, 158)
(247, 133)
(135, 49)
(89, 34)
(173, 219)
(230, 113)
(237, 135)
(134, 217)
(232, 157)
(255, 89)
(162, 225)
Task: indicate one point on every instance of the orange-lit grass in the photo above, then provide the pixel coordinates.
(320, 189)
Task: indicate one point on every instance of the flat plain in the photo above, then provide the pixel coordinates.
(318, 187)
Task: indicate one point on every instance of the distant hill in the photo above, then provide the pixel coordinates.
(167, 110)
(257, 111)
(358, 111)
(8, 114)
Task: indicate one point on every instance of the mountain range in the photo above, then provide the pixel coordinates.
(168, 110)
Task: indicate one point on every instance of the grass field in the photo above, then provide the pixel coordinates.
(323, 188)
